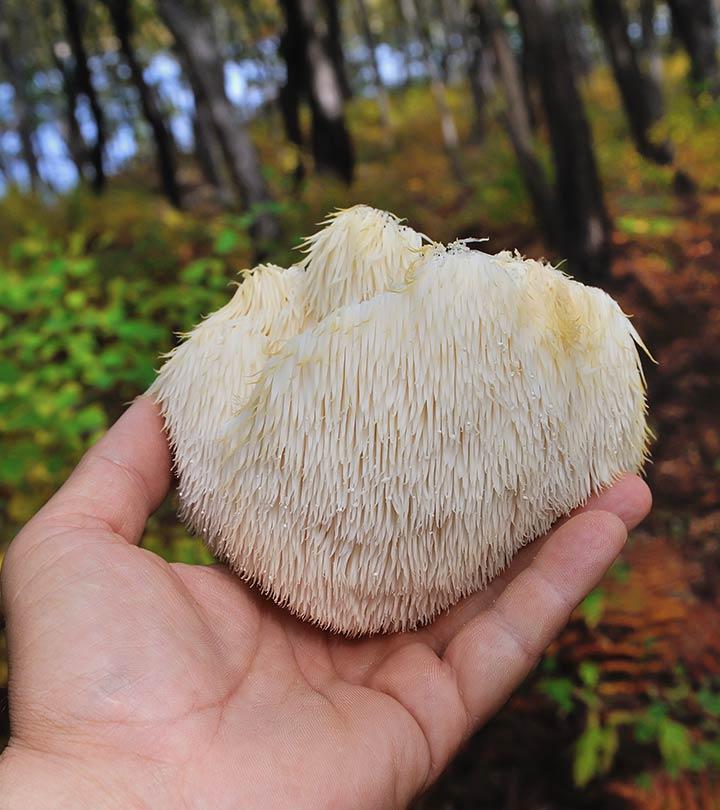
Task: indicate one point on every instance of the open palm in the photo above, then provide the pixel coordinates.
(138, 683)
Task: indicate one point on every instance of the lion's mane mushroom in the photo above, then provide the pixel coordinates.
(373, 434)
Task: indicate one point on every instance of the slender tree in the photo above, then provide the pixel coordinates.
(312, 75)
(83, 80)
(209, 153)
(641, 96)
(123, 24)
(73, 137)
(193, 36)
(371, 46)
(694, 22)
(585, 235)
(23, 108)
(333, 38)
(481, 65)
(516, 118)
(650, 50)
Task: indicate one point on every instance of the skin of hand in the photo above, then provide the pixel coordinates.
(139, 683)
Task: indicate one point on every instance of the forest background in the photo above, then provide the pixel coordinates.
(152, 149)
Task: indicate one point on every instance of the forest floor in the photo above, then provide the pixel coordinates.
(624, 710)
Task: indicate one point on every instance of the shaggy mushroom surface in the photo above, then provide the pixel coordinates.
(373, 433)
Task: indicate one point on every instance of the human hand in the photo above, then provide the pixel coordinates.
(140, 683)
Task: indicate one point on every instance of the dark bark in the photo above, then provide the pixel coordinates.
(193, 36)
(641, 97)
(516, 119)
(73, 136)
(371, 45)
(209, 153)
(478, 59)
(694, 24)
(312, 75)
(23, 108)
(121, 15)
(5, 174)
(333, 39)
(85, 86)
(481, 63)
(585, 236)
(574, 19)
(649, 45)
(476, 54)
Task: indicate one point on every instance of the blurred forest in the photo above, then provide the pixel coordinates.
(151, 149)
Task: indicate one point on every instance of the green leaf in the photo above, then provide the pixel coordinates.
(196, 271)
(588, 748)
(15, 460)
(675, 746)
(560, 691)
(710, 702)
(595, 750)
(89, 419)
(611, 742)
(589, 674)
(8, 372)
(226, 242)
(593, 607)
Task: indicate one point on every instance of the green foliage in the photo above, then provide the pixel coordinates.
(592, 607)
(560, 691)
(594, 751)
(90, 298)
(663, 724)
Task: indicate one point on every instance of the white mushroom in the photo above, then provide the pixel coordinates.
(398, 421)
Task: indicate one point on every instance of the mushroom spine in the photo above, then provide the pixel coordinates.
(374, 433)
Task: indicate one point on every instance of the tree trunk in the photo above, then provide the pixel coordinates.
(254, 29)
(210, 154)
(437, 85)
(481, 63)
(480, 82)
(382, 94)
(586, 232)
(516, 119)
(73, 137)
(333, 40)
(641, 97)
(85, 86)
(312, 74)
(694, 23)
(22, 105)
(193, 37)
(474, 53)
(650, 48)
(122, 21)
(574, 18)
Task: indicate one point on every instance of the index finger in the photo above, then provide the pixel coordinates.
(118, 483)
(494, 652)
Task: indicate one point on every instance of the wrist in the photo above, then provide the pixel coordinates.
(38, 779)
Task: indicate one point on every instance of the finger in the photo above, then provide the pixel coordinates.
(629, 499)
(494, 652)
(118, 483)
